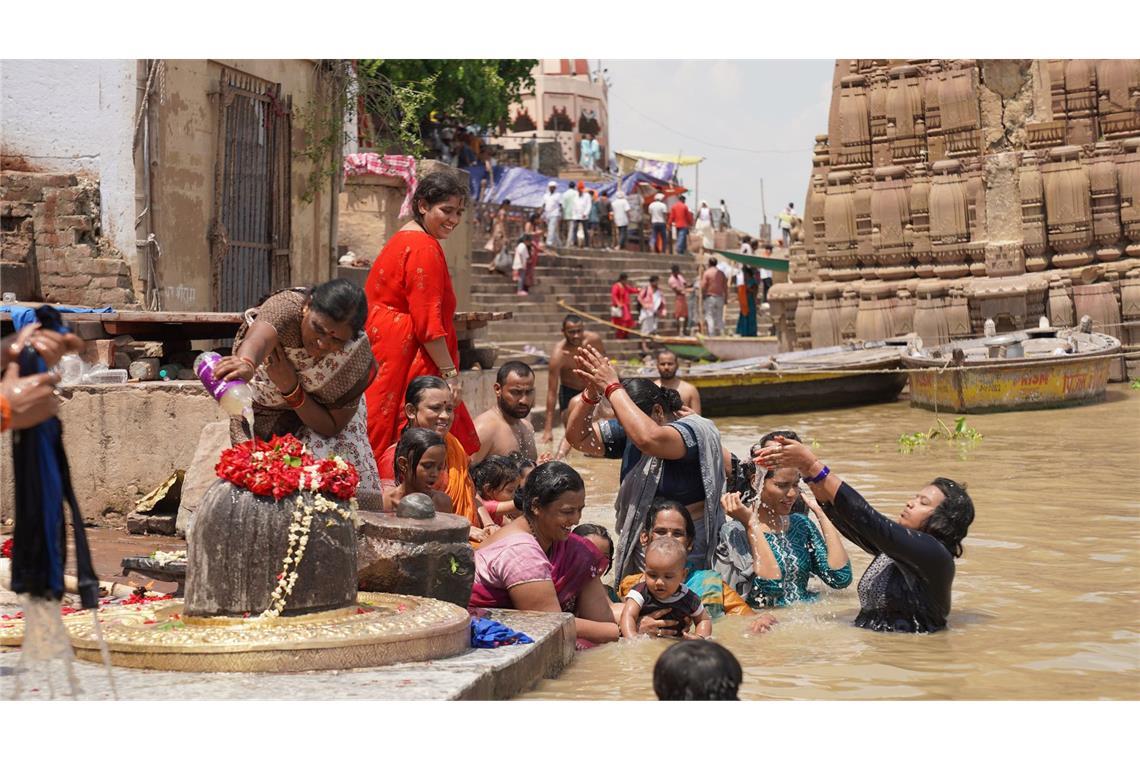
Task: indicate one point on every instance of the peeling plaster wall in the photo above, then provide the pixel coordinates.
(185, 171)
(77, 117)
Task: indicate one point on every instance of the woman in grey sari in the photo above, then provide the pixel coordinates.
(665, 450)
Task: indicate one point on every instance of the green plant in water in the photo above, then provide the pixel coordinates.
(961, 435)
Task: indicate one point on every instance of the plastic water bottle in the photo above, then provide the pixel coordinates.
(234, 396)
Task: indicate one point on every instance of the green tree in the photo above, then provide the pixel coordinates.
(475, 91)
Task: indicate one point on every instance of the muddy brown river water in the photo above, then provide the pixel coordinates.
(1045, 597)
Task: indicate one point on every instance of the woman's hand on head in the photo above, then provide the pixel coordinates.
(786, 453)
(595, 369)
(653, 626)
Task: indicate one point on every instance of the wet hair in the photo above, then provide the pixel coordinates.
(522, 369)
(420, 385)
(673, 549)
(494, 473)
(661, 504)
(342, 301)
(791, 435)
(572, 319)
(589, 529)
(646, 394)
(546, 483)
(413, 444)
(697, 670)
(437, 187)
(523, 463)
(951, 519)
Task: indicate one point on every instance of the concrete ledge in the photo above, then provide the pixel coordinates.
(478, 674)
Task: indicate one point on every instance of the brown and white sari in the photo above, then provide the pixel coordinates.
(336, 382)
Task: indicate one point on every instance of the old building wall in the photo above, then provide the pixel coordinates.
(76, 117)
(184, 180)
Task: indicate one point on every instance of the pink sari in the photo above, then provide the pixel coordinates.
(519, 559)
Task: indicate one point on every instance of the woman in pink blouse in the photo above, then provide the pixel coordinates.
(537, 563)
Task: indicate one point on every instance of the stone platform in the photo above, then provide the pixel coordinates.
(479, 674)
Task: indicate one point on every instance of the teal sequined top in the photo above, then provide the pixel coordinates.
(801, 553)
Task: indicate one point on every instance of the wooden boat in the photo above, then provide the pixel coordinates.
(684, 346)
(1043, 368)
(730, 348)
(795, 381)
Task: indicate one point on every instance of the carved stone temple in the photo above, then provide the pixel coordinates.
(946, 192)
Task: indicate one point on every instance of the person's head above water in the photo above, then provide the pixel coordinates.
(667, 518)
(665, 566)
(420, 457)
(697, 670)
(944, 510)
(552, 501)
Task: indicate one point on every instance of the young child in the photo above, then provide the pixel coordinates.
(496, 479)
(697, 670)
(421, 456)
(600, 538)
(663, 588)
(525, 466)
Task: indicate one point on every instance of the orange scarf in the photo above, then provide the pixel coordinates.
(459, 485)
(742, 296)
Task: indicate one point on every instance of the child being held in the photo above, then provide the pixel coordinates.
(496, 479)
(663, 588)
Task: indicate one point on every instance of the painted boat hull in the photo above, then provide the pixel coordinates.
(804, 381)
(1008, 385)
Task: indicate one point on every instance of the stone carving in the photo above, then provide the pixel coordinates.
(1068, 210)
(890, 216)
(854, 123)
(920, 249)
(417, 506)
(1105, 203)
(949, 220)
(839, 213)
(945, 189)
(402, 555)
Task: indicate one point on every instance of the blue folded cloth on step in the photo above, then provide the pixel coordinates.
(22, 316)
(488, 634)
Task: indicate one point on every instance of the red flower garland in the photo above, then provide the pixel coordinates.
(276, 468)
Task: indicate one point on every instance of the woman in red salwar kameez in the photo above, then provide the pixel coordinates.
(621, 315)
(411, 312)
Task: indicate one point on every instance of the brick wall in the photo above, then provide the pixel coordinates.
(51, 248)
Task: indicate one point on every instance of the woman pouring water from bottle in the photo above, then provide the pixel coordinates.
(303, 354)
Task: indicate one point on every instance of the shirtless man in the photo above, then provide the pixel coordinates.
(667, 368)
(562, 382)
(504, 428)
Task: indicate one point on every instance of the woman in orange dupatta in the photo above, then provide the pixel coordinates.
(428, 404)
(411, 312)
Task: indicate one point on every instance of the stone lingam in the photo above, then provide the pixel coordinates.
(272, 580)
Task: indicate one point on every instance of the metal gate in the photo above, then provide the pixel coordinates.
(250, 238)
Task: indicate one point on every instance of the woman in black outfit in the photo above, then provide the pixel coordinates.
(907, 586)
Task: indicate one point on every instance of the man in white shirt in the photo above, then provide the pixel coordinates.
(569, 199)
(619, 210)
(552, 212)
(581, 214)
(786, 218)
(658, 218)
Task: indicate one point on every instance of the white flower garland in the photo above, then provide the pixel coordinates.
(299, 529)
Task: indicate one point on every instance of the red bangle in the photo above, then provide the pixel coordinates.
(590, 401)
(611, 388)
(300, 399)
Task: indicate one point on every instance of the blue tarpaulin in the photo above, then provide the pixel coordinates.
(523, 187)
